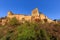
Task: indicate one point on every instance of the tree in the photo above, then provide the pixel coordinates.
(13, 21)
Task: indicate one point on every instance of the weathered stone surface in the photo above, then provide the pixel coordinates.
(35, 15)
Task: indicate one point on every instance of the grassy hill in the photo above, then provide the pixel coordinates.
(15, 30)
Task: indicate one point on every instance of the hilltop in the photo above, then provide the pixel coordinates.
(35, 15)
(15, 30)
(36, 26)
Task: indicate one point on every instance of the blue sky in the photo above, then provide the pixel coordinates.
(50, 8)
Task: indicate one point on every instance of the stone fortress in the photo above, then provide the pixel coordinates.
(35, 15)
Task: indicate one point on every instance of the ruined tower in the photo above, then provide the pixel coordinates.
(10, 13)
(35, 12)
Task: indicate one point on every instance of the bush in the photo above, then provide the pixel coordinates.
(13, 21)
(44, 35)
(26, 32)
(31, 31)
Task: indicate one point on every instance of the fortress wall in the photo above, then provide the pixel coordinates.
(49, 20)
(18, 17)
(42, 16)
(35, 15)
(4, 21)
(27, 18)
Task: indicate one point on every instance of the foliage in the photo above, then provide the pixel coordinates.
(44, 35)
(13, 21)
(28, 31)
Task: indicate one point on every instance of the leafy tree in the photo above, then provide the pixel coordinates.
(13, 21)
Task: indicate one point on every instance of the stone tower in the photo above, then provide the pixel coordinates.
(35, 12)
(10, 13)
(35, 15)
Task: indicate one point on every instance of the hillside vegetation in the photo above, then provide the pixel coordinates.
(14, 30)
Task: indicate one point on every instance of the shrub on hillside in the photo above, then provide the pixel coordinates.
(27, 31)
(13, 21)
(30, 31)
